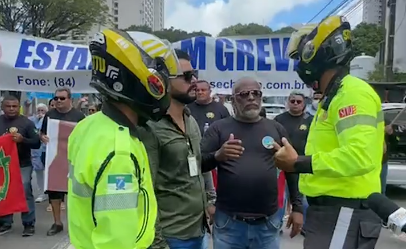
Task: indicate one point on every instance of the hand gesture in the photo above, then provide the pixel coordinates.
(44, 138)
(285, 156)
(295, 222)
(17, 137)
(231, 149)
(389, 129)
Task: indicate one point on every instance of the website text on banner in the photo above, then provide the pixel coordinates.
(221, 61)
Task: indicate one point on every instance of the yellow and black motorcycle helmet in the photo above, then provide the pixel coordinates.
(320, 48)
(134, 70)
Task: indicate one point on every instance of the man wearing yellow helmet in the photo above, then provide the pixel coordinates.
(111, 199)
(343, 160)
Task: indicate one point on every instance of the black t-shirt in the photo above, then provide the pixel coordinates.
(297, 128)
(248, 184)
(208, 113)
(72, 116)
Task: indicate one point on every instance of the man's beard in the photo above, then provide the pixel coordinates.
(183, 98)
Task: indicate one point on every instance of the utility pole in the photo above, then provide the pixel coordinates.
(391, 40)
(382, 46)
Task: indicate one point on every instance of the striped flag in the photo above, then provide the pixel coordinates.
(56, 159)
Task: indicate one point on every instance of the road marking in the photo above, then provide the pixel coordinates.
(64, 243)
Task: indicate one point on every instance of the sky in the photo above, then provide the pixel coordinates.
(212, 16)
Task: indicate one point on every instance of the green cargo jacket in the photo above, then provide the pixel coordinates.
(182, 199)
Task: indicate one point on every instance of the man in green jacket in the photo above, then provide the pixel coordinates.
(179, 183)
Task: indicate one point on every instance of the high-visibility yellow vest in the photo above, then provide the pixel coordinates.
(346, 144)
(111, 198)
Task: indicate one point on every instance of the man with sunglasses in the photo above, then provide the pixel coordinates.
(297, 123)
(179, 183)
(241, 147)
(63, 111)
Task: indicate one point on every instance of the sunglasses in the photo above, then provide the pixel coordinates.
(189, 75)
(59, 98)
(246, 94)
(296, 101)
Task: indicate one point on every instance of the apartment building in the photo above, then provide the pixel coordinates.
(373, 11)
(125, 13)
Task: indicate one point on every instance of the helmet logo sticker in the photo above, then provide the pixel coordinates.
(112, 72)
(99, 38)
(117, 86)
(155, 86)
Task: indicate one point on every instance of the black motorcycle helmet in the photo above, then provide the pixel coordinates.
(328, 45)
(135, 72)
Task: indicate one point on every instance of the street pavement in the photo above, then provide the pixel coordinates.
(14, 240)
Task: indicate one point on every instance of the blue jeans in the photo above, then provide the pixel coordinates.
(206, 241)
(229, 233)
(27, 218)
(193, 243)
(384, 175)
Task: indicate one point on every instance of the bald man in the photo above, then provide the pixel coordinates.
(241, 148)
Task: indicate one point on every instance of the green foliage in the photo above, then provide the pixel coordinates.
(368, 38)
(50, 18)
(174, 35)
(245, 29)
(171, 34)
(378, 75)
(284, 30)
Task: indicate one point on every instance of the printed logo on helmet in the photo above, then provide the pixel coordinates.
(155, 86)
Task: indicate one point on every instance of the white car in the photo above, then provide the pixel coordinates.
(397, 153)
(273, 110)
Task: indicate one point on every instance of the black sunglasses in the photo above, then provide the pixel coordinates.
(293, 101)
(246, 94)
(188, 75)
(59, 98)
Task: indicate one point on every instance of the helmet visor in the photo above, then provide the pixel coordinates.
(295, 40)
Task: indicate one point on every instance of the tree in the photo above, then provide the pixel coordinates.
(378, 75)
(142, 28)
(368, 38)
(50, 18)
(285, 30)
(245, 29)
(171, 34)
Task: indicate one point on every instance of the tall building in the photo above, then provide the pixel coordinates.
(125, 13)
(373, 11)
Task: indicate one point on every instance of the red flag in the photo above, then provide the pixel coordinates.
(12, 196)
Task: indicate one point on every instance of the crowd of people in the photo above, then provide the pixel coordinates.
(163, 153)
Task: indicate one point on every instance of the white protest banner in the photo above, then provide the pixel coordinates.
(222, 61)
(38, 65)
(56, 157)
(32, 64)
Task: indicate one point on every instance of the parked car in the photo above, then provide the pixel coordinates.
(273, 110)
(396, 146)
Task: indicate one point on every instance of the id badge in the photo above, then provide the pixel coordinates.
(191, 159)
